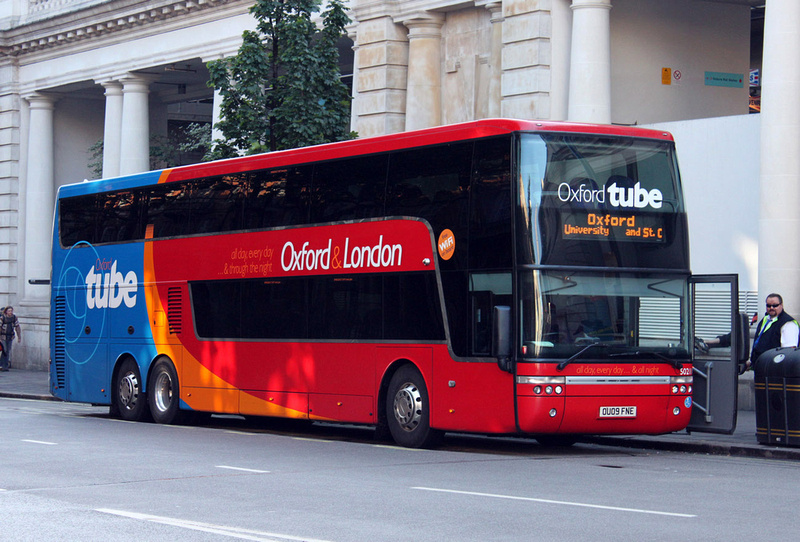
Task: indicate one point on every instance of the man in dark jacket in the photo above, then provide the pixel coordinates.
(777, 328)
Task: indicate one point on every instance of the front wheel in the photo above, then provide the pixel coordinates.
(408, 410)
(130, 401)
(164, 393)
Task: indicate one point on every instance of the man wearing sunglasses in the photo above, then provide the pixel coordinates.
(777, 328)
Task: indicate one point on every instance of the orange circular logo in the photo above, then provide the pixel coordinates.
(446, 244)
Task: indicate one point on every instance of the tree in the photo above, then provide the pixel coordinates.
(282, 90)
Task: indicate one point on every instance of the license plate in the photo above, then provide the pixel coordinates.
(617, 411)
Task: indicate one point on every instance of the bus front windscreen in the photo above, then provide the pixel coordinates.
(622, 316)
(600, 201)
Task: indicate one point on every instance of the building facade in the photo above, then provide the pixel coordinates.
(77, 72)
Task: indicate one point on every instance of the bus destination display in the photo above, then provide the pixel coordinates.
(620, 227)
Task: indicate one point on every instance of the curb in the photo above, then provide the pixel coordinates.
(703, 447)
(32, 396)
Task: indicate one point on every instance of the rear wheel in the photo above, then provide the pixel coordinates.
(408, 410)
(164, 393)
(130, 401)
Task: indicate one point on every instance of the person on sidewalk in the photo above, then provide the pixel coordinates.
(777, 328)
(9, 328)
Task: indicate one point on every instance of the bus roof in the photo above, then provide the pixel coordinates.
(368, 145)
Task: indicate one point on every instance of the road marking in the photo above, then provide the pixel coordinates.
(550, 501)
(40, 442)
(243, 469)
(234, 532)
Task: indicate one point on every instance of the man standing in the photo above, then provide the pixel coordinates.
(9, 327)
(777, 328)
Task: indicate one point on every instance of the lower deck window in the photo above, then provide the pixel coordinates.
(352, 307)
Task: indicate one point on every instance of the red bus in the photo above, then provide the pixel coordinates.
(498, 276)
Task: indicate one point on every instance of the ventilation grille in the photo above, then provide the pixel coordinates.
(59, 334)
(174, 310)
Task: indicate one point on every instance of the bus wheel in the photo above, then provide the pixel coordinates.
(408, 410)
(129, 399)
(164, 393)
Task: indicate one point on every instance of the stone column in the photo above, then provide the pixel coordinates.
(112, 132)
(495, 58)
(135, 138)
(779, 216)
(353, 35)
(561, 37)
(39, 201)
(424, 89)
(380, 74)
(590, 68)
(11, 147)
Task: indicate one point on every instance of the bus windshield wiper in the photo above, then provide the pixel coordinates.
(674, 362)
(576, 355)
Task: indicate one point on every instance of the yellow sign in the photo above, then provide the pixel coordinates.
(608, 226)
(666, 76)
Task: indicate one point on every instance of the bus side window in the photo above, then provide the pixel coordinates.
(350, 189)
(411, 307)
(490, 213)
(345, 307)
(78, 218)
(168, 209)
(216, 204)
(433, 183)
(278, 197)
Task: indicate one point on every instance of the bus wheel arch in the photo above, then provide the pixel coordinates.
(128, 395)
(405, 407)
(163, 392)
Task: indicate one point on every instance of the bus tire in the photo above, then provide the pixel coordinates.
(408, 410)
(163, 393)
(130, 401)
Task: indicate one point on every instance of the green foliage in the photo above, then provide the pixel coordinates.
(282, 90)
(96, 159)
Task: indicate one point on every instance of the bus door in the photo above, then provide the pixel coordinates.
(721, 344)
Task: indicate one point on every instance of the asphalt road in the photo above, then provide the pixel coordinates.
(69, 472)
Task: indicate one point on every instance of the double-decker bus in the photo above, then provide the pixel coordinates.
(497, 276)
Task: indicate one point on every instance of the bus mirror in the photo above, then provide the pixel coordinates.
(501, 337)
(743, 337)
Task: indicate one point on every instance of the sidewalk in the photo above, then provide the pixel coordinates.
(24, 384)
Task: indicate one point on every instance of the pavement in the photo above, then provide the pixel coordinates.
(24, 384)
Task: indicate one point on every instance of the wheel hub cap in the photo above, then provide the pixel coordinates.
(408, 406)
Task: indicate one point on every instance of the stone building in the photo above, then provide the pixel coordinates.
(76, 72)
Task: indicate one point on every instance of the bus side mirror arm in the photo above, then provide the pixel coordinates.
(502, 348)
